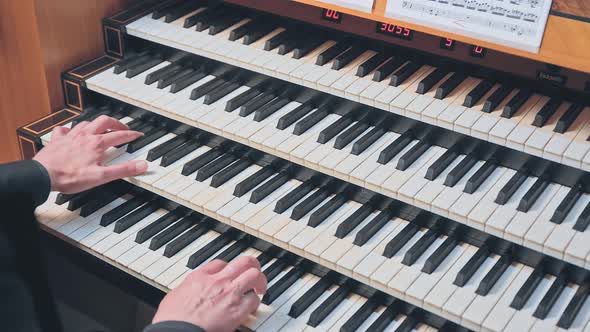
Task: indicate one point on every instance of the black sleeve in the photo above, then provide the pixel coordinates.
(26, 177)
(173, 326)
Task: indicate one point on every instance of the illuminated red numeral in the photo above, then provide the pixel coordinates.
(384, 26)
(332, 14)
(478, 49)
(390, 28)
(407, 32)
(449, 42)
(398, 30)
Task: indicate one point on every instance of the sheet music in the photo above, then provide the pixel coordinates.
(360, 5)
(515, 23)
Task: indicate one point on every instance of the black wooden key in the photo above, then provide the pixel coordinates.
(294, 116)
(143, 66)
(258, 33)
(157, 226)
(253, 181)
(266, 256)
(412, 155)
(395, 147)
(310, 203)
(418, 249)
(289, 45)
(566, 204)
(326, 210)
(170, 69)
(200, 161)
(525, 292)
(211, 248)
(388, 68)
(204, 89)
(215, 166)
(170, 233)
(158, 151)
(130, 61)
(306, 46)
(368, 139)
(408, 324)
(371, 64)
(361, 315)
(441, 164)
(147, 139)
(573, 308)
(275, 269)
(255, 103)
(353, 220)
(243, 29)
(121, 210)
(332, 52)
(277, 40)
(294, 196)
(77, 201)
(229, 172)
(531, 196)
(183, 82)
(449, 85)
(173, 77)
(241, 99)
(583, 220)
(335, 128)
(460, 170)
(136, 216)
(493, 275)
(496, 98)
(235, 249)
(440, 254)
(161, 11)
(97, 203)
(374, 226)
(547, 112)
(550, 297)
(430, 80)
(350, 134)
(568, 118)
(192, 20)
(311, 296)
(472, 266)
(224, 22)
(510, 187)
(268, 187)
(477, 93)
(270, 108)
(185, 239)
(179, 11)
(174, 155)
(309, 121)
(404, 73)
(386, 317)
(326, 307)
(516, 103)
(482, 174)
(347, 57)
(221, 92)
(279, 287)
(400, 240)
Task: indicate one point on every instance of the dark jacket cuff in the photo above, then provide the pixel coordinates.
(173, 326)
(26, 177)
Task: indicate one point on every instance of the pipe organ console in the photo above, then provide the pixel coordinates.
(387, 176)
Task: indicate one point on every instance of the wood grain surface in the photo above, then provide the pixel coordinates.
(579, 8)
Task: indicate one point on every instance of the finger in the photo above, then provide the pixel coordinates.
(117, 138)
(107, 174)
(59, 132)
(212, 267)
(103, 124)
(239, 266)
(248, 305)
(250, 279)
(78, 128)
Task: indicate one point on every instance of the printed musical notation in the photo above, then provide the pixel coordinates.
(360, 5)
(515, 23)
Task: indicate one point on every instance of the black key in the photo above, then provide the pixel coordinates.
(516, 103)
(170, 79)
(157, 226)
(368, 66)
(332, 52)
(510, 187)
(135, 216)
(309, 203)
(367, 140)
(550, 297)
(350, 134)
(460, 170)
(142, 67)
(235, 249)
(63, 198)
(124, 64)
(215, 166)
(254, 104)
(493, 275)
(400, 240)
(347, 57)
(573, 308)
(395, 147)
(294, 196)
(381, 323)
(547, 112)
(204, 89)
(404, 73)
(359, 317)
(255, 35)
(568, 118)
(192, 20)
(174, 155)
(166, 147)
(525, 292)
(270, 108)
(200, 161)
(440, 254)
(77, 201)
(441, 164)
(309, 121)
(121, 210)
(408, 324)
(566, 205)
(243, 29)
(329, 304)
(412, 155)
(387, 69)
(288, 45)
(221, 92)
(430, 80)
(224, 22)
(253, 181)
(147, 139)
(179, 11)
(496, 98)
(183, 82)
(277, 40)
(310, 296)
(353, 220)
(531, 196)
(326, 210)
(307, 46)
(418, 249)
(211, 248)
(229, 172)
(97, 203)
(449, 85)
(480, 176)
(185, 239)
(294, 116)
(160, 12)
(471, 267)
(374, 226)
(241, 99)
(265, 256)
(275, 269)
(171, 232)
(477, 93)
(583, 220)
(170, 69)
(334, 129)
(268, 187)
(279, 287)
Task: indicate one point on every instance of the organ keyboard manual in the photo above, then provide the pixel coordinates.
(388, 175)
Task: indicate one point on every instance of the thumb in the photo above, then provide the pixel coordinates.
(130, 168)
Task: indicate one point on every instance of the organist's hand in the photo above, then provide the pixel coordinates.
(74, 157)
(217, 296)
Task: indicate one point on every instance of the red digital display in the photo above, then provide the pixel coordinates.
(478, 51)
(394, 31)
(447, 44)
(332, 15)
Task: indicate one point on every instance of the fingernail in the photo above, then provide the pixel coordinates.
(141, 167)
